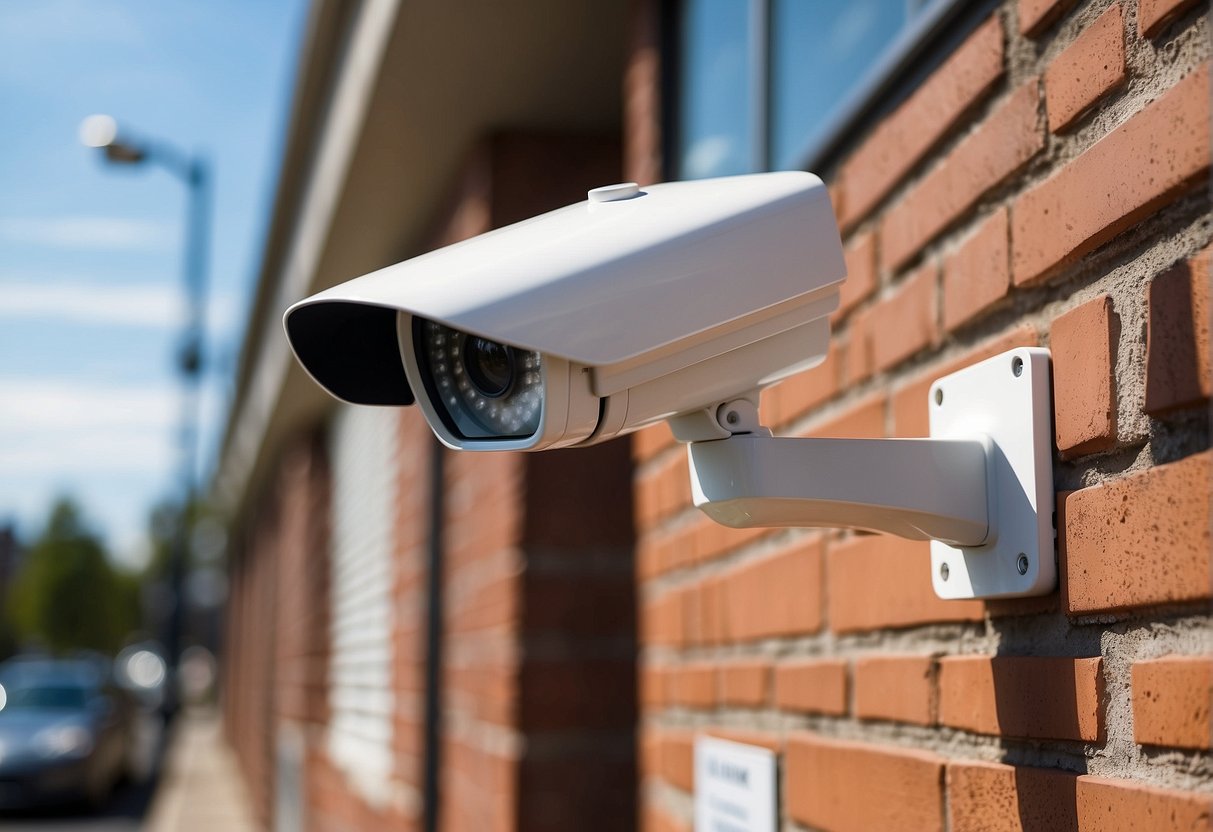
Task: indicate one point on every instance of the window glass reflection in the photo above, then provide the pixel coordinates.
(820, 52)
(715, 118)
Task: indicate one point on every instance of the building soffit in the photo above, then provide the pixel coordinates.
(410, 89)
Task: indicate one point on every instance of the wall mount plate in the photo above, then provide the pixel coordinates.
(1007, 398)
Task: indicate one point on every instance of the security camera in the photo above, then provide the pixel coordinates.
(681, 302)
(636, 305)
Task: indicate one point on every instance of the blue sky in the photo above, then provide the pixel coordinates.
(90, 254)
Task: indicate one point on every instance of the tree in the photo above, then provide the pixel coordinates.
(68, 596)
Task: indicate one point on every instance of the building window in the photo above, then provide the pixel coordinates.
(363, 452)
(771, 84)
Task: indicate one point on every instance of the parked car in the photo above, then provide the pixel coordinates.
(65, 732)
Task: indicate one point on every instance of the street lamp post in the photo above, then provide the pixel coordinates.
(101, 131)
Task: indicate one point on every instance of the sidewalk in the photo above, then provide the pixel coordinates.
(200, 787)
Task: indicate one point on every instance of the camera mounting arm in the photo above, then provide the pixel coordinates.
(921, 489)
(981, 488)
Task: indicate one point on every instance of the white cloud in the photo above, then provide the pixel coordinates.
(112, 446)
(68, 410)
(71, 453)
(158, 305)
(95, 233)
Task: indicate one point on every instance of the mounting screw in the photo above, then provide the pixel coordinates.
(1022, 564)
(938, 395)
(732, 418)
(944, 571)
(1017, 366)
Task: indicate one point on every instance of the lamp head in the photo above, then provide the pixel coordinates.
(98, 131)
(101, 131)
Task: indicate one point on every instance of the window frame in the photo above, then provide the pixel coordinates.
(924, 43)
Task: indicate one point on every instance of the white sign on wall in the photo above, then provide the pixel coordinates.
(734, 787)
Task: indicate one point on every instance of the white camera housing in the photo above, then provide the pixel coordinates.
(640, 303)
(681, 301)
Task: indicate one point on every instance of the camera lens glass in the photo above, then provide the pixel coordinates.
(489, 365)
(488, 389)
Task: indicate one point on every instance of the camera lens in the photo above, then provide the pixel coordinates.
(489, 365)
(488, 390)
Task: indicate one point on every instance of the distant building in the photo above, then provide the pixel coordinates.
(420, 639)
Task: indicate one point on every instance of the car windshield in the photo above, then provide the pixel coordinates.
(73, 697)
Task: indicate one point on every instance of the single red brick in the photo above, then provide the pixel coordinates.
(649, 755)
(713, 539)
(662, 489)
(845, 786)
(904, 321)
(999, 147)
(880, 581)
(648, 556)
(791, 398)
(1139, 540)
(651, 441)
(652, 683)
(1150, 160)
(777, 594)
(692, 615)
(746, 683)
(929, 114)
(678, 547)
(991, 797)
(1178, 366)
(644, 505)
(812, 686)
(661, 619)
(1171, 698)
(978, 274)
(1083, 344)
(862, 420)
(1037, 15)
(857, 362)
(910, 407)
(1086, 70)
(676, 758)
(860, 256)
(676, 485)
(693, 685)
(1105, 805)
(896, 688)
(1155, 15)
(711, 611)
(1022, 696)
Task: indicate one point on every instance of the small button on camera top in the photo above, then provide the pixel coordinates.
(614, 193)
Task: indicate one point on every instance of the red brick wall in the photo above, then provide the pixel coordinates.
(411, 567)
(1046, 185)
(539, 645)
(537, 709)
(276, 651)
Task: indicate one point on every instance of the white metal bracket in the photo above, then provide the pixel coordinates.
(1007, 398)
(981, 488)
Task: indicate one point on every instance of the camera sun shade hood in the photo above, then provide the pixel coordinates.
(598, 283)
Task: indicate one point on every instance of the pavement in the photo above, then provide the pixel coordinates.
(200, 787)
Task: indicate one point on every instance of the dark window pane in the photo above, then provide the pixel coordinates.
(820, 53)
(716, 102)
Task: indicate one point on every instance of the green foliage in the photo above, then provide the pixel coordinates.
(68, 596)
